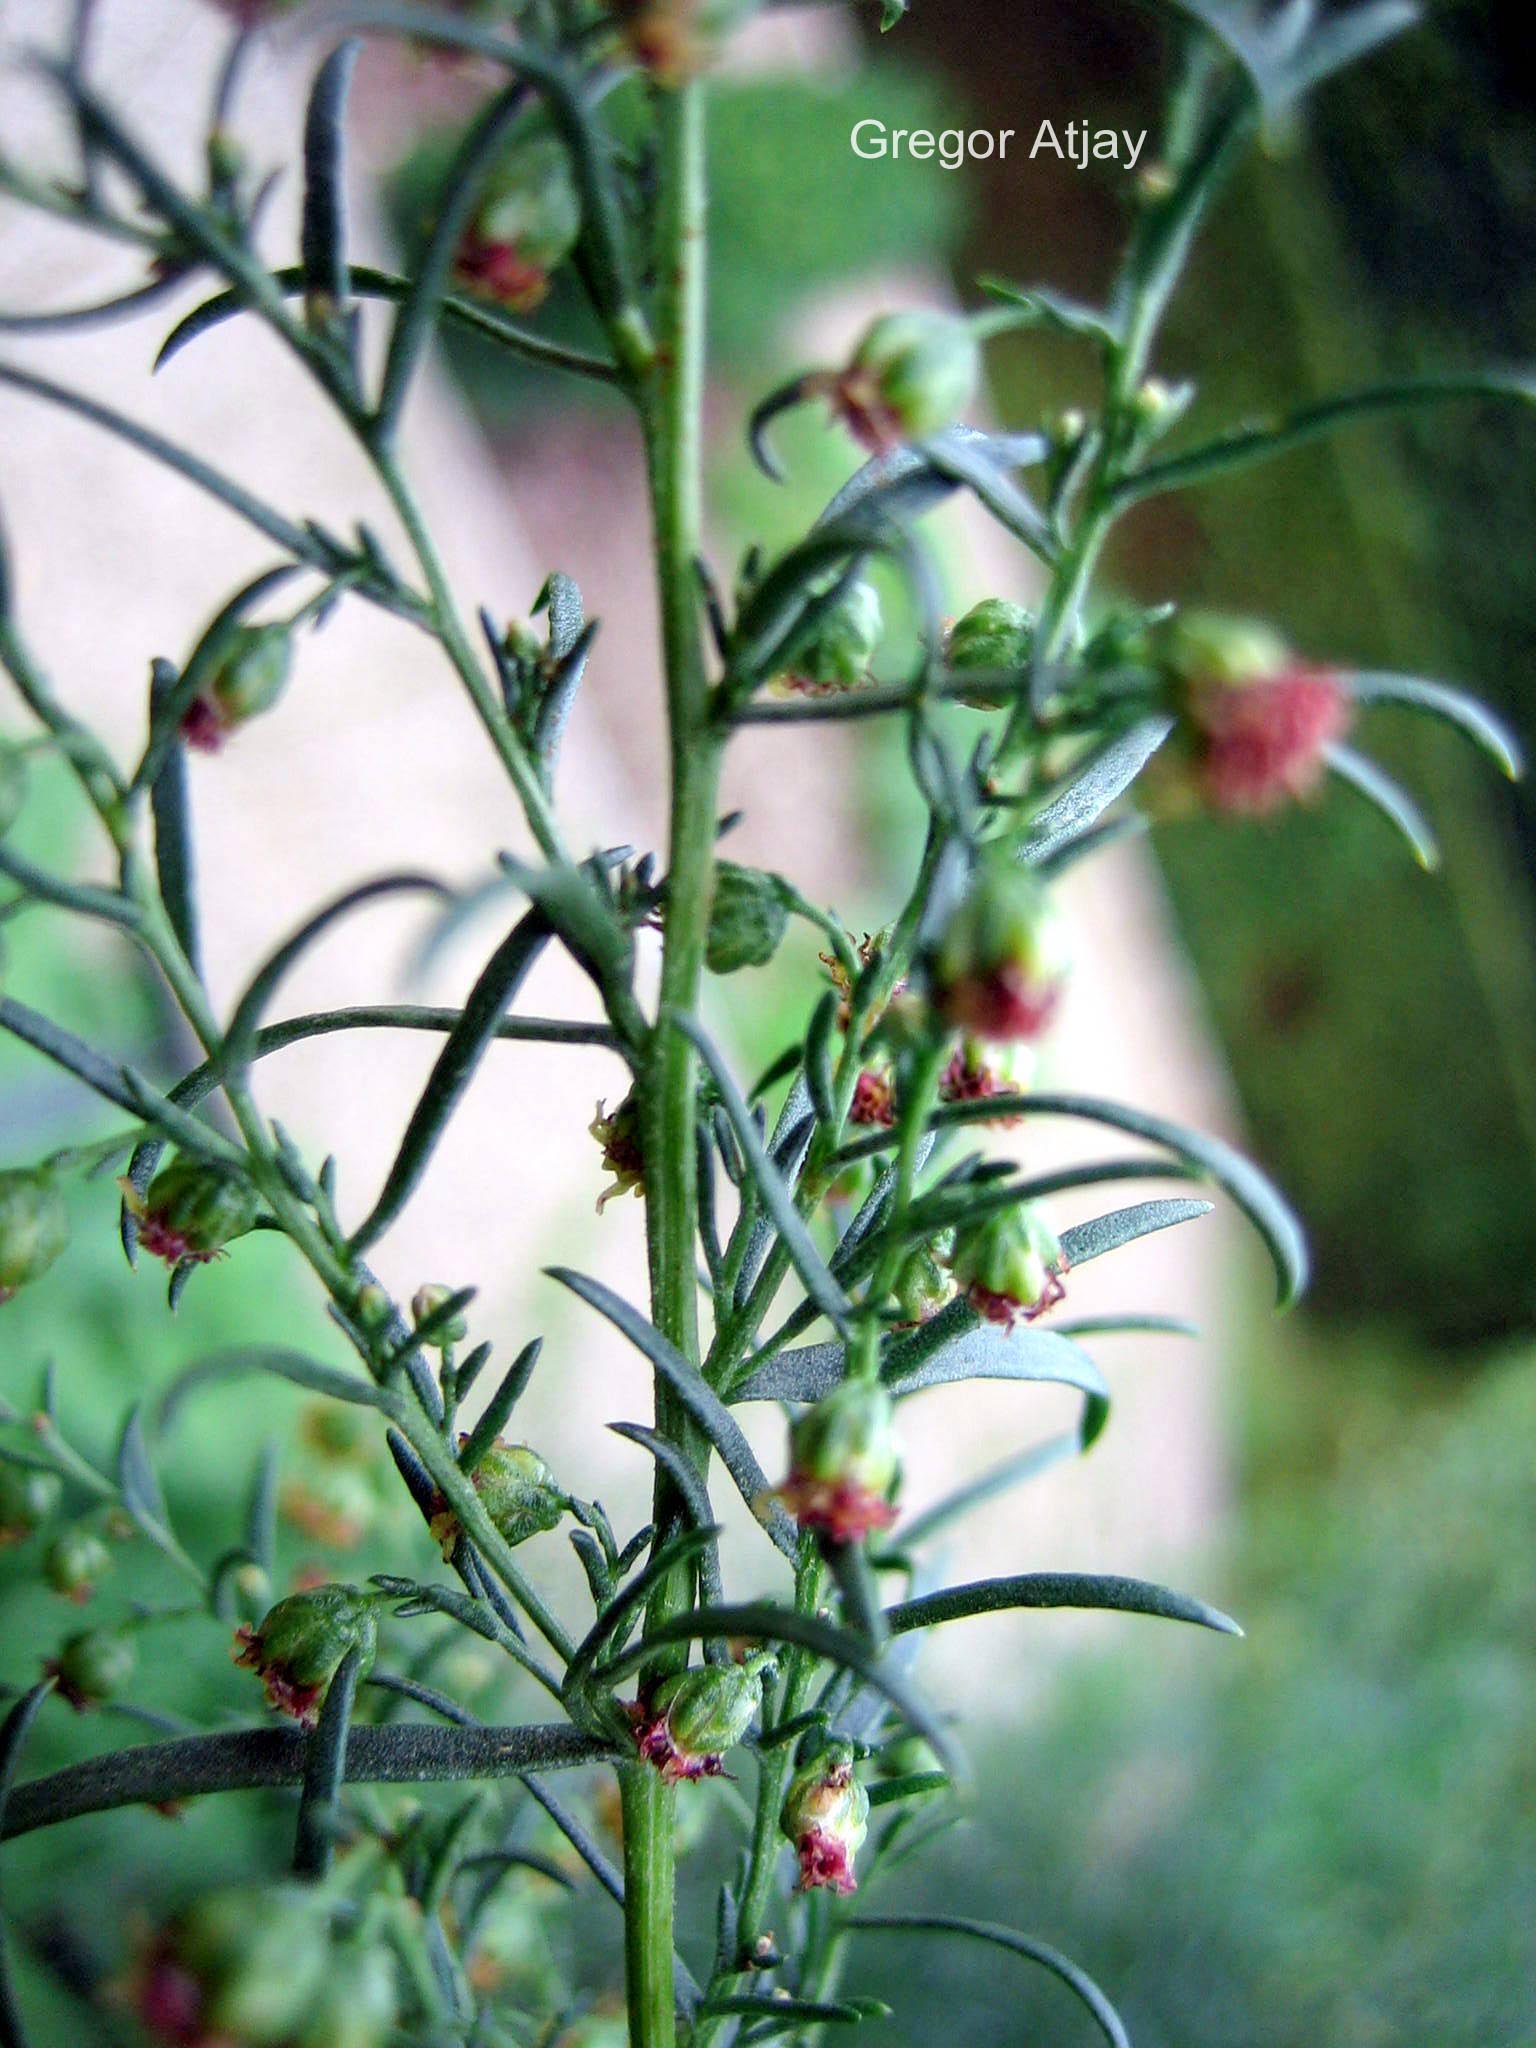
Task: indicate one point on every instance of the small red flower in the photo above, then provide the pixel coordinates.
(842, 1510)
(825, 1864)
(284, 1692)
(500, 271)
(874, 1100)
(1263, 743)
(655, 1744)
(1007, 1309)
(202, 727)
(968, 1078)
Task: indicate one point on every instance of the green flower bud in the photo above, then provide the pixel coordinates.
(826, 1815)
(34, 1226)
(516, 1489)
(13, 785)
(371, 1308)
(525, 226)
(1009, 1264)
(248, 678)
(922, 1286)
(94, 1666)
(244, 1965)
(193, 1209)
(1201, 648)
(676, 39)
(27, 1499)
(298, 1645)
(996, 637)
(838, 655)
(425, 1303)
(747, 919)
(912, 375)
(694, 1717)
(74, 1561)
(358, 2004)
(1000, 963)
(843, 1463)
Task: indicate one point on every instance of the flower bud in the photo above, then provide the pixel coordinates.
(843, 1463)
(1000, 963)
(675, 40)
(838, 655)
(74, 1561)
(524, 228)
(517, 1491)
(623, 1157)
(426, 1303)
(922, 1287)
(975, 1075)
(1010, 1265)
(241, 1968)
(912, 375)
(1255, 723)
(358, 2003)
(693, 1717)
(747, 919)
(995, 636)
(193, 1209)
(248, 678)
(27, 1498)
(34, 1226)
(298, 1645)
(13, 785)
(826, 1815)
(94, 1666)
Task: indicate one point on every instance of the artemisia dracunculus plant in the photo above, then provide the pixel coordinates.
(826, 1241)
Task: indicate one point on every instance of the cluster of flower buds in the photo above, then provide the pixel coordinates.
(747, 919)
(674, 40)
(525, 226)
(192, 1210)
(1254, 722)
(844, 1463)
(93, 1666)
(826, 1816)
(34, 1226)
(685, 1726)
(517, 1491)
(1009, 1265)
(298, 1646)
(255, 1966)
(13, 785)
(999, 965)
(973, 1074)
(837, 655)
(623, 1156)
(247, 678)
(911, 375)
(29, 1497)
(995, 638)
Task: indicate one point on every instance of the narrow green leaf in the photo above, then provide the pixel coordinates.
(1055, 1589)
(175, 865)
(628, 1602)
(1108, 774)
(325, 1768)
(1384, 795)
(765, 1622)
(136, 1479)
(819, 1068)
(498, 1409)
(1060, 1966)
(796, 1238)
(323, 233)
(780, 2010)
(698, 1397)
(493, 994)
(998, 1479)
(1344, 39)
(294, 1366)
(1375, 686)
(261, 1509)
(1085, 1241)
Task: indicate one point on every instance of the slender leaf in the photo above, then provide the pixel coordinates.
(323, 234)
(1084, 1241)
(1384, 795)
(1344, 39)
(325, 1770)
(780, 2010)
(998, 1479)
(136, 1477)
(1055, 1589)
(1060, 1966)
(693, 1493)
(175, 865)
(796, 1238)
(698, 1397)
(628, 1601)
(1376, 686)
(13, 1735)
(499, 1408)
(1107, 776)
(296, 1367)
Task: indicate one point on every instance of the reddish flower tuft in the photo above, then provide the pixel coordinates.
(1007, 1309)
(654, 1741)
(202, 726)
(968, 1078)
(825, 1864)
(169, 2003)
(1009, 1001)
(283, 1690)
(1262, 743)
(499, 270)
(842, 1510)
(874, 1100)
(162, 1240)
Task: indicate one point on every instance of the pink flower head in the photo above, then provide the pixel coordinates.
(825, 1864)
(499, 270)
(656, 1745)
(843, 1510)
(1263, 743)
(969, 1078)
(874, 1100)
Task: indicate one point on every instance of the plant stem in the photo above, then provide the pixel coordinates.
(671, 410)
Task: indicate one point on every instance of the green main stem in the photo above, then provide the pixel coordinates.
(672, 405)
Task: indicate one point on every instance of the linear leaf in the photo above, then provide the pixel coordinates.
(698, 1397)
(175, 864)
(1104, 779)
(1084, 1241)
(294, 1366)
(1060, 1966)
(324, 1773)
(136, 1477)
(323, 235)
(499, 1408)
(796, 1238)
(998, 1479)
(1055, 1589)
(1384, 795)
(628, 1601)
(1440, 700)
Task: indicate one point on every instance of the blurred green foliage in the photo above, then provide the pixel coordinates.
(1321, 1835)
